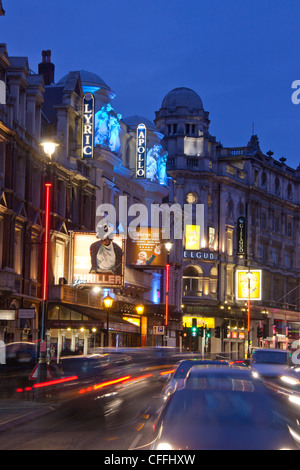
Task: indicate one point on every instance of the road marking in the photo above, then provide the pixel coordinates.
(135, 441)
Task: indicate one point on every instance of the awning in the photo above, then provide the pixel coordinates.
(115, 322)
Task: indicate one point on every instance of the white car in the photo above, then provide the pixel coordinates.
(267, 363)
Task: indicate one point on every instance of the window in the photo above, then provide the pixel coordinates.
(276, 225)
(229, 238)
(264, 179)
(277, 186)
(263, 220)
(18, 251)
(59, 260)
(289, 192)
(213, 282)
(193, 281)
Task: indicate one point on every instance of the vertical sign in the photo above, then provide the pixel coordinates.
(88, 125)
(141, 151)
(242, 236)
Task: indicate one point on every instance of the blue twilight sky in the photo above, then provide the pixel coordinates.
(240, 56)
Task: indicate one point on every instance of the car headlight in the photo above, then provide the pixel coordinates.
(255, 375)
(289, 380)
(164, 446)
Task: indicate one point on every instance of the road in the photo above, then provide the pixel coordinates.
(120, 419)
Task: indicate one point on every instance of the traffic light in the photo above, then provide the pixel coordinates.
(208, 334)
(201, 331)
(194, 327)
(225, 328)
(259, 331)
(218, 332)
(265, 330)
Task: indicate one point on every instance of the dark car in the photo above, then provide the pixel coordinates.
(177, 379)
(80, 366)
(224, 408)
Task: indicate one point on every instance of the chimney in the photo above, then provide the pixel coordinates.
(2, 11)
(46, 68)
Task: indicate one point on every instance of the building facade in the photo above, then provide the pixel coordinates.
(233, 183)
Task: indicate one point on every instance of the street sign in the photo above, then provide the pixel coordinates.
(34, 373)
(159, 330)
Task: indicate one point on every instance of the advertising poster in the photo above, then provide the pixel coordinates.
(242, 285)
(192, 237)
(98, 260)
(145, 248)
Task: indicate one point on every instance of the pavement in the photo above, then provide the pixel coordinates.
(14, 412)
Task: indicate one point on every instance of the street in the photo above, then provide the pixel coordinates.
(121, 419)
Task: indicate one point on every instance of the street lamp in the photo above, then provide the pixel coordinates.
(168, 246)
(249, 277)
(49, 149)
(108, 303)
(140, 310)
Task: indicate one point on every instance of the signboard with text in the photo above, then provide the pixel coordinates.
(88, 126)
(248, 284)
(98, 261)
(141, 151)
(145, 248)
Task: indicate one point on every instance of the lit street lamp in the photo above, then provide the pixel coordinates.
(108, 303)
(49, 149)
(168, 246)
(140, 310)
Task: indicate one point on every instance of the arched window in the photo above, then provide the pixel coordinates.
(193, 281)
(289, 192)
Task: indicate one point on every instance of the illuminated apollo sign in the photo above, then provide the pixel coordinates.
(141, 151)
(88, 126)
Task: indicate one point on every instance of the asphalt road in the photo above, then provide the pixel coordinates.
(120, 419)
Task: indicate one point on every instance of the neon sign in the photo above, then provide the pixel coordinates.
(88, 126)
(141, 151)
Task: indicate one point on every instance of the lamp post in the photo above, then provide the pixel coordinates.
(140, 310)
(249, 276)
(108, 303)
(168, 246)
(49, 149)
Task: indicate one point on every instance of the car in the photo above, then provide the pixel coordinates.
(177, 379)
(224, 408)
(269, 363)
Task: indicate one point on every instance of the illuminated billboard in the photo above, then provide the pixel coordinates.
(192, 237)
(242, 284)
(98, 260)
(145, 248)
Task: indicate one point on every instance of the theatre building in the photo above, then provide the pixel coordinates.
(235, 184)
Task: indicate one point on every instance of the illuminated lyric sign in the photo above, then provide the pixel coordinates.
(242, 237)
(88, 126)
(248, 284)
(141, 151)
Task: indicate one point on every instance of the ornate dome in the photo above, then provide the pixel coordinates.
(182, 97)
(134, 121)
(88, 79)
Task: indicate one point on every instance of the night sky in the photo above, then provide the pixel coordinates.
(240, 56)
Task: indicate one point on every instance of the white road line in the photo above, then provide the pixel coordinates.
(136, 440)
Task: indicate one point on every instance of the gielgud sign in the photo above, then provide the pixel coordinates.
(98, 258)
